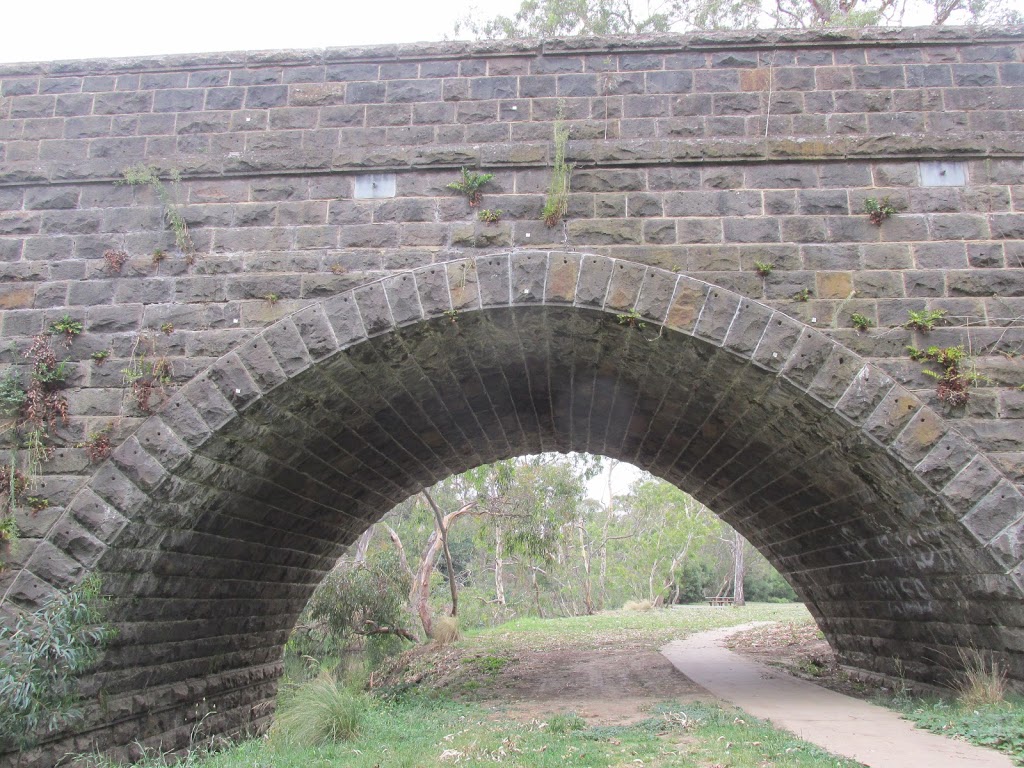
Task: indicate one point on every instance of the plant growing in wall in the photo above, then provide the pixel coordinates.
(556, 204)
(923, 320)
(470, 185)
(633, 319)
(148, 374)
(115, 259)
(878, 210)
(490, 215)
(149, 176)
(67, 327)
(860, 322)
(956, 374)
(763, 268)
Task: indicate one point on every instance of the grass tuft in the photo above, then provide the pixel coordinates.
(445, 630)
(981, 681)
(320, 712)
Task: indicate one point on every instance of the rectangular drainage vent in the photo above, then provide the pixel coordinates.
(943, 173)
(373, 185)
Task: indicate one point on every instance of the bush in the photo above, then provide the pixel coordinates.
(43, 653)
(362, 600)
(320, 712)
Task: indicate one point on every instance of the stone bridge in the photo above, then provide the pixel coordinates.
(337, 329)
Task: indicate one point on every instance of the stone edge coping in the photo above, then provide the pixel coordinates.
(654, 43)
(584, 154)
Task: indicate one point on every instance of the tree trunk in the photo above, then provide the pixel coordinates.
(403, 561)
(739, 570)
(362, 545)
(588, 586)
(499, 564)
(442, 527)
(419, 595)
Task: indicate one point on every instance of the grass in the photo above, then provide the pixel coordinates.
(321, 711)
(416, 732)
(999, 726)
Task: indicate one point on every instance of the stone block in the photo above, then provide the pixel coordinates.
(493, 280)
(137, 465)
(780, 336)
(716, 316)
(432, 285)
(687, 303)
(836, 376)
(808, 357)
(463, 284)
(403, 298)
(592, 286)
(343, 313)
(528, 274)
(260, 363)
(1000, 507)
(624, 286)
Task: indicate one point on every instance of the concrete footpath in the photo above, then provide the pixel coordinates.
(843, 725)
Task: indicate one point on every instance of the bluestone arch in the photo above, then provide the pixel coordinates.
(211, 525)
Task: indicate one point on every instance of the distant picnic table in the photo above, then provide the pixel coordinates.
(713, 601)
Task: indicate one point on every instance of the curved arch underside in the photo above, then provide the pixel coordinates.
(233, 503)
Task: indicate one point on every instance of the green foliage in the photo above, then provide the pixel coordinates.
(633, 318)
(490, 215)
(12, 393)
(44, 652)
(763, 268)
(878, 210)
(954, 379)
(365, 601)
(272, 298)
(68, 327)
(556, 204)
(100, 356)
(148, 175)
(320, 712)
(470, 185)
(860, 322)
(804, 294)
(924, 319)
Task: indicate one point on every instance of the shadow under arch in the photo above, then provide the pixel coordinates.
(212, 525)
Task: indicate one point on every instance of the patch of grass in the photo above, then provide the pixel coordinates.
(321, 711)
(999, 726)
(492, 665)
(566, 723)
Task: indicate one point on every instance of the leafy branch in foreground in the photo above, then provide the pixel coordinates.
(43, 654)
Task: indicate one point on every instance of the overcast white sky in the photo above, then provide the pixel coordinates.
(35, 30)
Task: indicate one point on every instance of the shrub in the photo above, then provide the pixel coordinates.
(320, 712)
(43, 654)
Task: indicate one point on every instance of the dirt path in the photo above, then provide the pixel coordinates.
(844, 726)
(603, 687)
